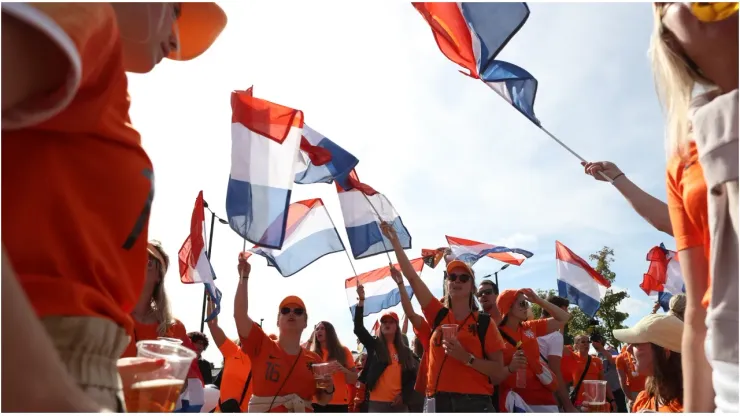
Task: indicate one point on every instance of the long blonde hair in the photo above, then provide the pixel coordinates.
(160, 304)
(675, 78)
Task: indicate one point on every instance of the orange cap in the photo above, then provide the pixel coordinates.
(391, 315)
(294, 300)
(459, 263)
(505, 300)
(198, 27)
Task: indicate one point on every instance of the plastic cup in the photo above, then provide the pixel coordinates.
(322, 375)
(158, 391)
(594, 395)
(171, 340)
(449, 332)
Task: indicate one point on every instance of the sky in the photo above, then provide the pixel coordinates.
(449, 153)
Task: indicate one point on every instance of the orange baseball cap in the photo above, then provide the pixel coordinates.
(459, 263)
(391, 315)
(294, 300)
(198, 27)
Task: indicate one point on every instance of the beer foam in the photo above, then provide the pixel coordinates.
(151, 384)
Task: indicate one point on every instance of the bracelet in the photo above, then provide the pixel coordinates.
(615, 178)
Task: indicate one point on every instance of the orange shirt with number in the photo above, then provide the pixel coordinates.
(77, 188)
(687, 206)
(446, 374)
(271, 365)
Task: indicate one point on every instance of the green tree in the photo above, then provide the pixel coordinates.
(544, 294)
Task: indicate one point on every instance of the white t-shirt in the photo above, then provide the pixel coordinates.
(551, 344)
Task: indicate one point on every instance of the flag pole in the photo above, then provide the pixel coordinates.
(382, 237)
(208, 256)
(603, 175)
(345, 248)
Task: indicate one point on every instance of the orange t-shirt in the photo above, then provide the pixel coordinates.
(687, 205)
(636, 383)
(579, 364)
(644, 402)
(567, 364)
(449, 375)
(424, 333)
(534, 393)
(77, 188)
(341, 394)
(270, 366)
(236, 371)
(389, 383)
(146, 332)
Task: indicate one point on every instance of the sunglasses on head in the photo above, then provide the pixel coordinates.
(452, 277)
(484, 292)
(296, 311)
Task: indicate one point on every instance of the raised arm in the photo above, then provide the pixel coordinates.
(650, 208)
(558, 318)
(408, 308)
(362, 333)
(218, 334)
(422, 292)
(241, 304)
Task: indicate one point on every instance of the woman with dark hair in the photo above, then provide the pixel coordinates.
(391, 367)
(325, 343)
(656, 344)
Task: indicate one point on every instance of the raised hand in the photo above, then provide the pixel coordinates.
(388, 231)
(593, 168)
(360, 292)
(244, 268)
(210, 308)
(531, 296)
(396, 275)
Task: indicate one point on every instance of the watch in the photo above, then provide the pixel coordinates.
(470, 360)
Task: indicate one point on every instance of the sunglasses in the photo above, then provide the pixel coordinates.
(523, 304)
(484, 292)
(296, 311)
(707, 11)
(452, 277)
(387, 321)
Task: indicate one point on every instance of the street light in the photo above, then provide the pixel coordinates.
(495, 274)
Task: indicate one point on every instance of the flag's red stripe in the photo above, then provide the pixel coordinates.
(379, 274)
(263, 117)
(563, 253)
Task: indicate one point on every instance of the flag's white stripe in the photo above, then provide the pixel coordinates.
(674, 279)
(261, 161)
(377, 287)
(579, 279)
(356, 210)
(202, 270)
(316, 220)
(501, 89)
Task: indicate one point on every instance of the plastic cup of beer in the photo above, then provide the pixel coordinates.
(158, 391)
(322, 375)
(171, 340)
(594, 396)
(449, 332)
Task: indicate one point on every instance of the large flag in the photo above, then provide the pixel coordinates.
(265, 138)
(363, 209)
(310, 235)
(321, 160)
(663, 277)
(473, 34)
(515, 85)
(579, 282)
(192, 259)
(433, 257)
(471, 251)
(381, 292)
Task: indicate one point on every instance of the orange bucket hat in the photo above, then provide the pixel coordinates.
(505, 300)
(198, 27)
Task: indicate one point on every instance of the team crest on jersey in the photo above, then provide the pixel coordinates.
(395, 357)
(529, 334)
(471, 328)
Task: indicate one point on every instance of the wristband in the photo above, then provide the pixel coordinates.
(615, 178)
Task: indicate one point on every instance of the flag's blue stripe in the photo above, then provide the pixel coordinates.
(366, 240)
(257, 213)
(520, 84)
(303, 252)
(494, 24)
(341, 164)
(472, 258)
(377, 303)
(586, 303)
(215, 294)
(664, 298)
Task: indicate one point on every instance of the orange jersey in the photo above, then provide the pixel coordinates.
(579, 364)
(446, 374)
(635, 382)
(567, 364)
(236, 371)
(271, 365)
(341, 394)
(687, 205)
(424, 333)
(389, 383)
(534, 393)
(77, 188)
(644, 402)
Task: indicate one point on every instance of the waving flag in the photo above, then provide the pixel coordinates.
(471, 251)
(310, 235)
(664, 277)
(195, 266)
(433, 257)
(363, 208)
(515, 85)
(321, 160)
(473, 34)
(381, 292)
(265, 138)
(579, 282)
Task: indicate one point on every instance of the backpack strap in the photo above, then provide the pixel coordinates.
(574, 393)
(246, 386)
(507, 337)
(484, 321)
(441, 315)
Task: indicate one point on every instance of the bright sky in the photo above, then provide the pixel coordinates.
(449, 153)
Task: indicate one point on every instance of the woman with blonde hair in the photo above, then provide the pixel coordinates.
(696, 45)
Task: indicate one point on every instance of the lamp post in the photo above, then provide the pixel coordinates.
(495, 274)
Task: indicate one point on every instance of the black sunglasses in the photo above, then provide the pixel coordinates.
(484, 292)
(523, 304)
(297, 311)
(463, 277)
